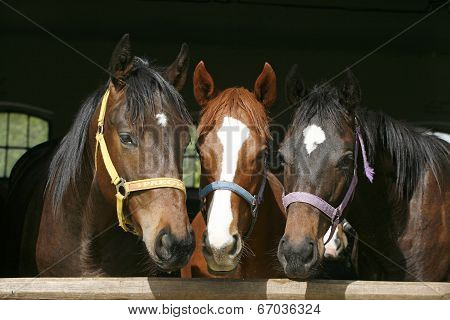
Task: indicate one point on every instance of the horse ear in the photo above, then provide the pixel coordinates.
(266, 86)
(121, 61)
(176, 73)
(294, 88)
(350, 91)
(204, 89)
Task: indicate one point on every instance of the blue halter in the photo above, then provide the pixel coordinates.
(253, 200)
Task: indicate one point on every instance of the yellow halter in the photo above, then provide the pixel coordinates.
(123, 187)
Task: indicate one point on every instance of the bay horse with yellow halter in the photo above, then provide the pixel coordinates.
(387, 178)
(115, 180)
(242, 217)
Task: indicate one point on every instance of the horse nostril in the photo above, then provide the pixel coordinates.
(283, 244)
(308, 251)
(165, 241)
(234, 246)
(164, 246)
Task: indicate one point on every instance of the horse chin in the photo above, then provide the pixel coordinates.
(298, 274)
(301, 272)
(221, 268)
(222, 272)
(168, 267)
(297, 270)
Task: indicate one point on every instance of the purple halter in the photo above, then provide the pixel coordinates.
(335, 214)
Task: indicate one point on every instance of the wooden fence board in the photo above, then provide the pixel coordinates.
(163, 288)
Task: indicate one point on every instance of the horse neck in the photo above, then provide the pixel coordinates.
(89, 203)
(99, 213)
(379, 218)
(373, 204)
(383, 205)
(106, 250)
(95, 200)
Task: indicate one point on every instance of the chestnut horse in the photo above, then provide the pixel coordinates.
(402, 216)
(239, 238)
(74, 230)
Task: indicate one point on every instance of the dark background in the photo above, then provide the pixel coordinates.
(408, 78)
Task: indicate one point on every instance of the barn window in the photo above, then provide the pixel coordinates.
(21, 128)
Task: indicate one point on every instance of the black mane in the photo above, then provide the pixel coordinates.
(411, 149)
(73, 164)
(322, 101)
(146, 88)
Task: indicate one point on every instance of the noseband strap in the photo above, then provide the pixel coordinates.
(253, 200)
(231, 186)
(124, 188)
(335, 214)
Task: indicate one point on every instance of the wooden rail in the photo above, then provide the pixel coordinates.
(163, 288)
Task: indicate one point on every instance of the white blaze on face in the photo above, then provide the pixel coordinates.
(313, 136)
(162, 119)
(232, 136)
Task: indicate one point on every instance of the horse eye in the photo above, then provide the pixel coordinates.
(127, 139)
(346, 160)
(349, 157)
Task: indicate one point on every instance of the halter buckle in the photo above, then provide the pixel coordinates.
(120, 188)
(100, 129)
(337, 216)
(254, 208)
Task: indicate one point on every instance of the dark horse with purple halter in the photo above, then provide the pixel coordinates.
(335, 214)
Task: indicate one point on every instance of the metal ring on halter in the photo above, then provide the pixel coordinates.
(254, 207)
(337, 216)
(121, 189)
(254, 213)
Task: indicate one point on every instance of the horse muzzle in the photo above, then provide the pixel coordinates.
(300, 260)
(171, 253)
(222, 259)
